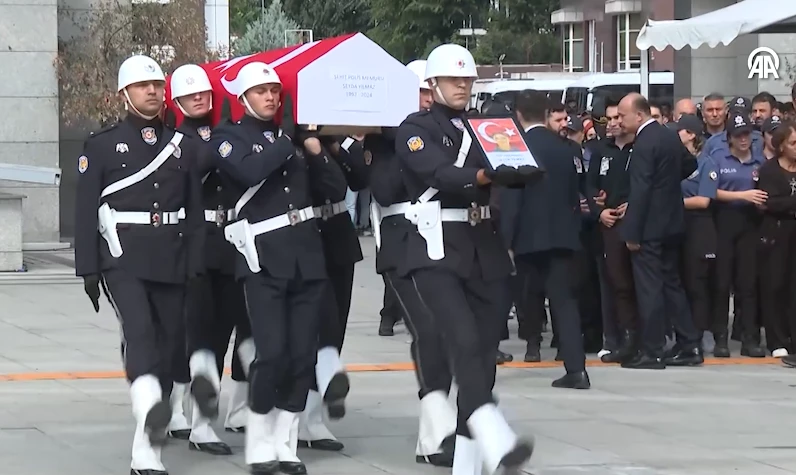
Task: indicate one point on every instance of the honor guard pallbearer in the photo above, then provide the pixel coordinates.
(142, 244)
(455, 258)
(281, 261)
(436, 435)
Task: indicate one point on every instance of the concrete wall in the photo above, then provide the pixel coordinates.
(29, 101)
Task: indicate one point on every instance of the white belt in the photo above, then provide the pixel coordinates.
(396, 209)
(155, 218)
(291, 218)
(219, 216)
(330, 210)
(472, 215)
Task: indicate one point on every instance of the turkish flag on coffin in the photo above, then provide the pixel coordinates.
(343, 81)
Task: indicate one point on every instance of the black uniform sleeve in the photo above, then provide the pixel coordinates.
(430, 162)
(771, 181)
(352, 161)
(689, 163)
(234, 155)
(89, 187)
(326, 177)
(194, 217)
(510, 204)
(205, 159)
(591, 187)
(642, 169)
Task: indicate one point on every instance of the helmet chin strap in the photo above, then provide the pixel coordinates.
(186, 114)
(441, 97)
(128, 106)
(250, 110)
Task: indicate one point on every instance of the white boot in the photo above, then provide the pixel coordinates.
(145, 393)
(179, 428)
(437, 422)
(499, 445)
(205, 382)
(286, 440)
(260, 450)
(467, 457)
(238, 407)
(312, 431)
(333, 384)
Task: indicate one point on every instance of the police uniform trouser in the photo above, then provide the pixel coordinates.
(530, 309)
(699, 266)
(284, 321)
(778, 283)
(391, 307)
(151, 315)
(611, 340)
(428, 347)
(619, 268)
(215, 306)
(337, 306)
(736, 267)
(469, 313)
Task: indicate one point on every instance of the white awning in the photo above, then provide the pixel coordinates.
(566, 15)
(719, 26)
(618, 7)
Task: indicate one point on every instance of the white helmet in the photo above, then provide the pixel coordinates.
(450, 60)
(188, 80)
(418, 67)
(255, 74)
(139, 69)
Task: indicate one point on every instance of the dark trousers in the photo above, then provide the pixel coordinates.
(152, 323)
(660, 293)
(391, 307)
(531, 313)
(736, 269)
(588, 292)
(214, 307)
(428, 347)
(284, 318)
(469, 313)
(336, 306)
(778, 285)
(699, 267)
(552, 273)
(619, 271)
(611, 336)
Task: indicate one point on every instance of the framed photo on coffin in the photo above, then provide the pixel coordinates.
(502, 141)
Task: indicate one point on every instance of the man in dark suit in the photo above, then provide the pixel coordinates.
(540, 225)
(653, 226)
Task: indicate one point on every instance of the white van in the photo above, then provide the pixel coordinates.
(589, 93)
(505, 91)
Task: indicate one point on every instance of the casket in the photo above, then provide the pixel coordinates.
(344, 83)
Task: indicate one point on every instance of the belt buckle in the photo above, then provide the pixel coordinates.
(327, 212)
(156, 218)
(221, 216)
(294, 217)
(474, 215)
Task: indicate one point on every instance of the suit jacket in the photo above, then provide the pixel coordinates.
(655, 209)
(545, 215)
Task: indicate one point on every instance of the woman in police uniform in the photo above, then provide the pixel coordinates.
(699, 251)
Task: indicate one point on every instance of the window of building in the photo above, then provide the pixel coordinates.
(573, 49)
(628, 55)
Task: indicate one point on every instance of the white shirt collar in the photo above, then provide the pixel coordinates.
(648, 122)
(533, 126)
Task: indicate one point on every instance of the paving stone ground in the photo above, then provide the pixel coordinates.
(716, 420)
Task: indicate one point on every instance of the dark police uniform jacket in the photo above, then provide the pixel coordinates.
(251, 150)
(219, 255)
(436, 136)
(545, 215)
(157, 253)
(387, 189)
(340, 240)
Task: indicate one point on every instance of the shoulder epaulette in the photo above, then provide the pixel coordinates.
(101, 131)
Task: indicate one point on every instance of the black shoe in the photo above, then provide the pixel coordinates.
(512, 462)
(180, 434)
(327, 445)
(579, 380)
(205, 396)
(236, 430)
(334, 398)
(683, 357)
(157, 419)
(644, 361)
(212, 448)
(147, 472)
(532, 352)
(789, 360)
(628, 349)
(441, 459)
(292, 468)
(387, 326)
(752, 349)
(722, 348)
(504, 357)
(264, 468)
(612, 357)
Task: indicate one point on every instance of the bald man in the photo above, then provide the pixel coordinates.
(684, 106)
(652, 228)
